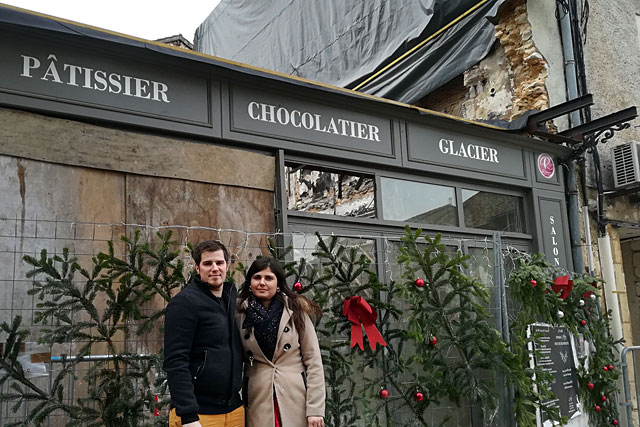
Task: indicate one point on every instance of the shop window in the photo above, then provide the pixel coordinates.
(418, 202)
(305, 245)
(493, 211)
(330, 192)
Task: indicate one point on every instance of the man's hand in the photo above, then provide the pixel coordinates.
(193, 424)
(315, 421)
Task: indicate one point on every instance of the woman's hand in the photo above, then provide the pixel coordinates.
(315, 421)
(193, 424)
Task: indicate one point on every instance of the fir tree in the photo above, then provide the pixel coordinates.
(120, 388)
(440, 342)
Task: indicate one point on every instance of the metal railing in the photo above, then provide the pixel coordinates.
(627, 401)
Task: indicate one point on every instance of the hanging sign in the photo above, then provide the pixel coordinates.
(546, 166)
(554, 238)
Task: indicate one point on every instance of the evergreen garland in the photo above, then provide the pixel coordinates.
(531, 288)
(422, 325)
(431, 313)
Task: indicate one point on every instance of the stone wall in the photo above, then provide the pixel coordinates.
(508, 82)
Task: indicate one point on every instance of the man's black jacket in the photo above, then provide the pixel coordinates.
(202, 351)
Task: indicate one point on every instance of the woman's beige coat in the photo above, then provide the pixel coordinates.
(295, 374)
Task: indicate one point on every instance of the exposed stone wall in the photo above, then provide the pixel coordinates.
(448, 98)
(528, 66)
(505, 84)
(623, 208)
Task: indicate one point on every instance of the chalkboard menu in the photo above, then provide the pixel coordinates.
(555, 355)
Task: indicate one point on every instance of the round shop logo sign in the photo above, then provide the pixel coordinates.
(546, 166)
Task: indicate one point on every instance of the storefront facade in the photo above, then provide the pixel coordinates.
(472, 179)
(100, 127)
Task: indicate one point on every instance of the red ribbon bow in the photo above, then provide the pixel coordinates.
(360, 314)
(563, 285)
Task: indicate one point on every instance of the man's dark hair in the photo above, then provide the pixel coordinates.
(209, 246)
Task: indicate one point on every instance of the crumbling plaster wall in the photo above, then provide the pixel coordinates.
(512, 79)
(612, 56)
(545, 34)
(623, 208)
(612, 62)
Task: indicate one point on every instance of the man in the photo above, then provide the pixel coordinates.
(202, 347)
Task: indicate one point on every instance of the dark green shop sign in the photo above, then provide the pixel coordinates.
(466, 151)
(277, 116)
(58, 73)
(553, 237)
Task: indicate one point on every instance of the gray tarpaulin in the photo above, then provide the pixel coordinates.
(344, 42)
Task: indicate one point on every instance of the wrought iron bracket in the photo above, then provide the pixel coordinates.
(600, 131)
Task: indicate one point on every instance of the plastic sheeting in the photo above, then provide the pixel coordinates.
(343, 42)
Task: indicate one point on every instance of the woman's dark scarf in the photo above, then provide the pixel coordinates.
(265, 324)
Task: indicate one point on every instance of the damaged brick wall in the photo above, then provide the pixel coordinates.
(528, 66)
(505, 84)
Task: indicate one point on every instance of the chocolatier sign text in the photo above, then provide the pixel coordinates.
(296, 119)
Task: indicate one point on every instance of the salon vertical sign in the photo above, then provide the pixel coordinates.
(554, 236)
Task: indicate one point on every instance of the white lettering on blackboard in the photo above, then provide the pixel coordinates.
(470, 151)
(554, 242)
(312, 121)
(88, 78)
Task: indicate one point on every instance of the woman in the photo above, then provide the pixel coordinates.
(284, 379)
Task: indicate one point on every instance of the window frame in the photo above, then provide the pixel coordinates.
(378, 223)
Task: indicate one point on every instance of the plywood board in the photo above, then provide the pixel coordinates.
(70, 142)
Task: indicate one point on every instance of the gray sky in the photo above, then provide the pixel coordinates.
(148, 19)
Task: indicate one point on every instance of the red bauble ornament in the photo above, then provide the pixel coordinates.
(594, 284)
(533, 283)
(614, 422)
(583, 322)
(418, 396)
(590, 386)
(610, 367)
(419, 283)
(604, 368)
(297, 286)
(384, 393)
(433, 340)
(604, 398)
(597, 408)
